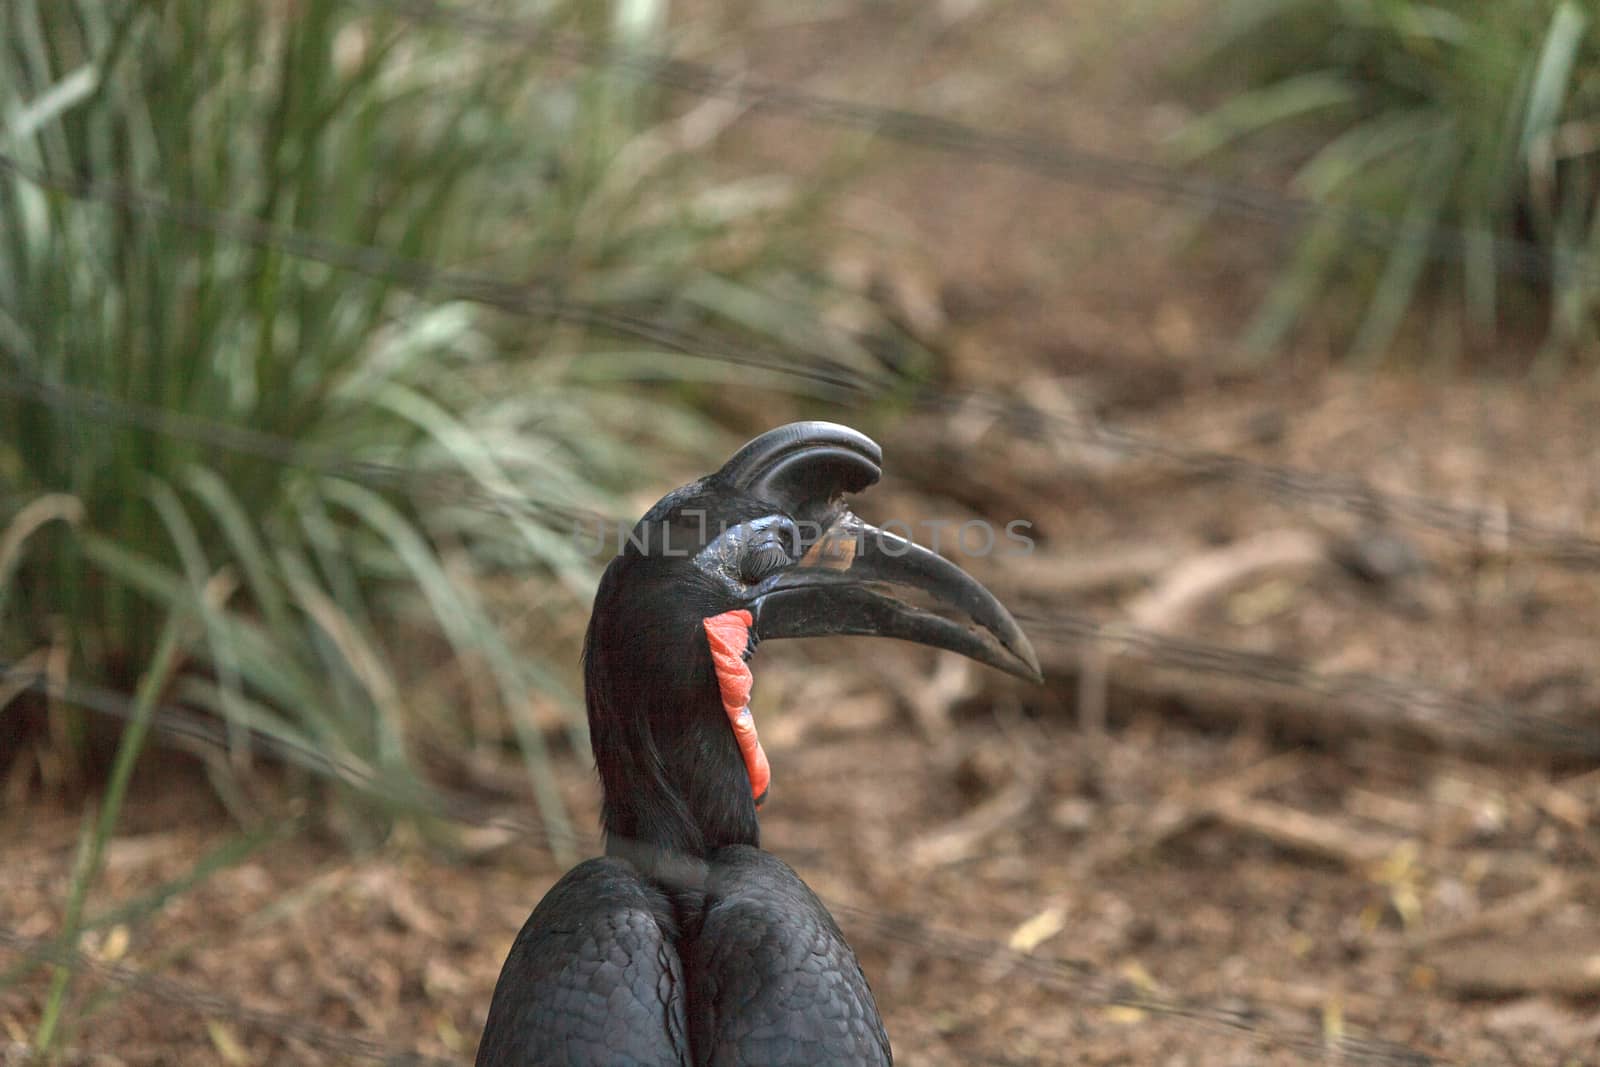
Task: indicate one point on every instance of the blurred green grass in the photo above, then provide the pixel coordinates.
(313, 603)
(1475, 126)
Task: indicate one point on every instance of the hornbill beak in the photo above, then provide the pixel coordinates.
(862, 580)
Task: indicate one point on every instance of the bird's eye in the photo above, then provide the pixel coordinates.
(761, 560)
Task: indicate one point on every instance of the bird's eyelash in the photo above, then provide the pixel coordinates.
(762, 561)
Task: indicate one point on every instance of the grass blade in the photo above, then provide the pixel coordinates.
(156, 677)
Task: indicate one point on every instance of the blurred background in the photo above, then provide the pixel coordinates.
(331, 331)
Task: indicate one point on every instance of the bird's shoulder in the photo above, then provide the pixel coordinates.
(593, 978)
(772, 978)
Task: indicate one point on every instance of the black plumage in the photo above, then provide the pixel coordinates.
(771, 979)
(687, 944)
(593, 978)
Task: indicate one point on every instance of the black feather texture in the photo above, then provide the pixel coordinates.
(593, 980)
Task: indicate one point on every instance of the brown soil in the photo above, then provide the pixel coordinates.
(1227, 876)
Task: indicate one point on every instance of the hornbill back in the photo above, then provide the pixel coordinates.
(771, 978)
(593, 978)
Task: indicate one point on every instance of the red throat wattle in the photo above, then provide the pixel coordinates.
(729, 637)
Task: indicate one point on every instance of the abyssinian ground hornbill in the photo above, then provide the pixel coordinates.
(686, 944)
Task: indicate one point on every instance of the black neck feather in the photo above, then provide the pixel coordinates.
(672, 778)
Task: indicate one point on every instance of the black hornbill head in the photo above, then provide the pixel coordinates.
(763, 548)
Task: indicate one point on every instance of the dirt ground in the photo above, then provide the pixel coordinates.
(1133, 865)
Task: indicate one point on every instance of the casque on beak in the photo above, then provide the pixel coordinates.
(855, 578)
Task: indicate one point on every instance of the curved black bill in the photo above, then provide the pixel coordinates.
(865, 581)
